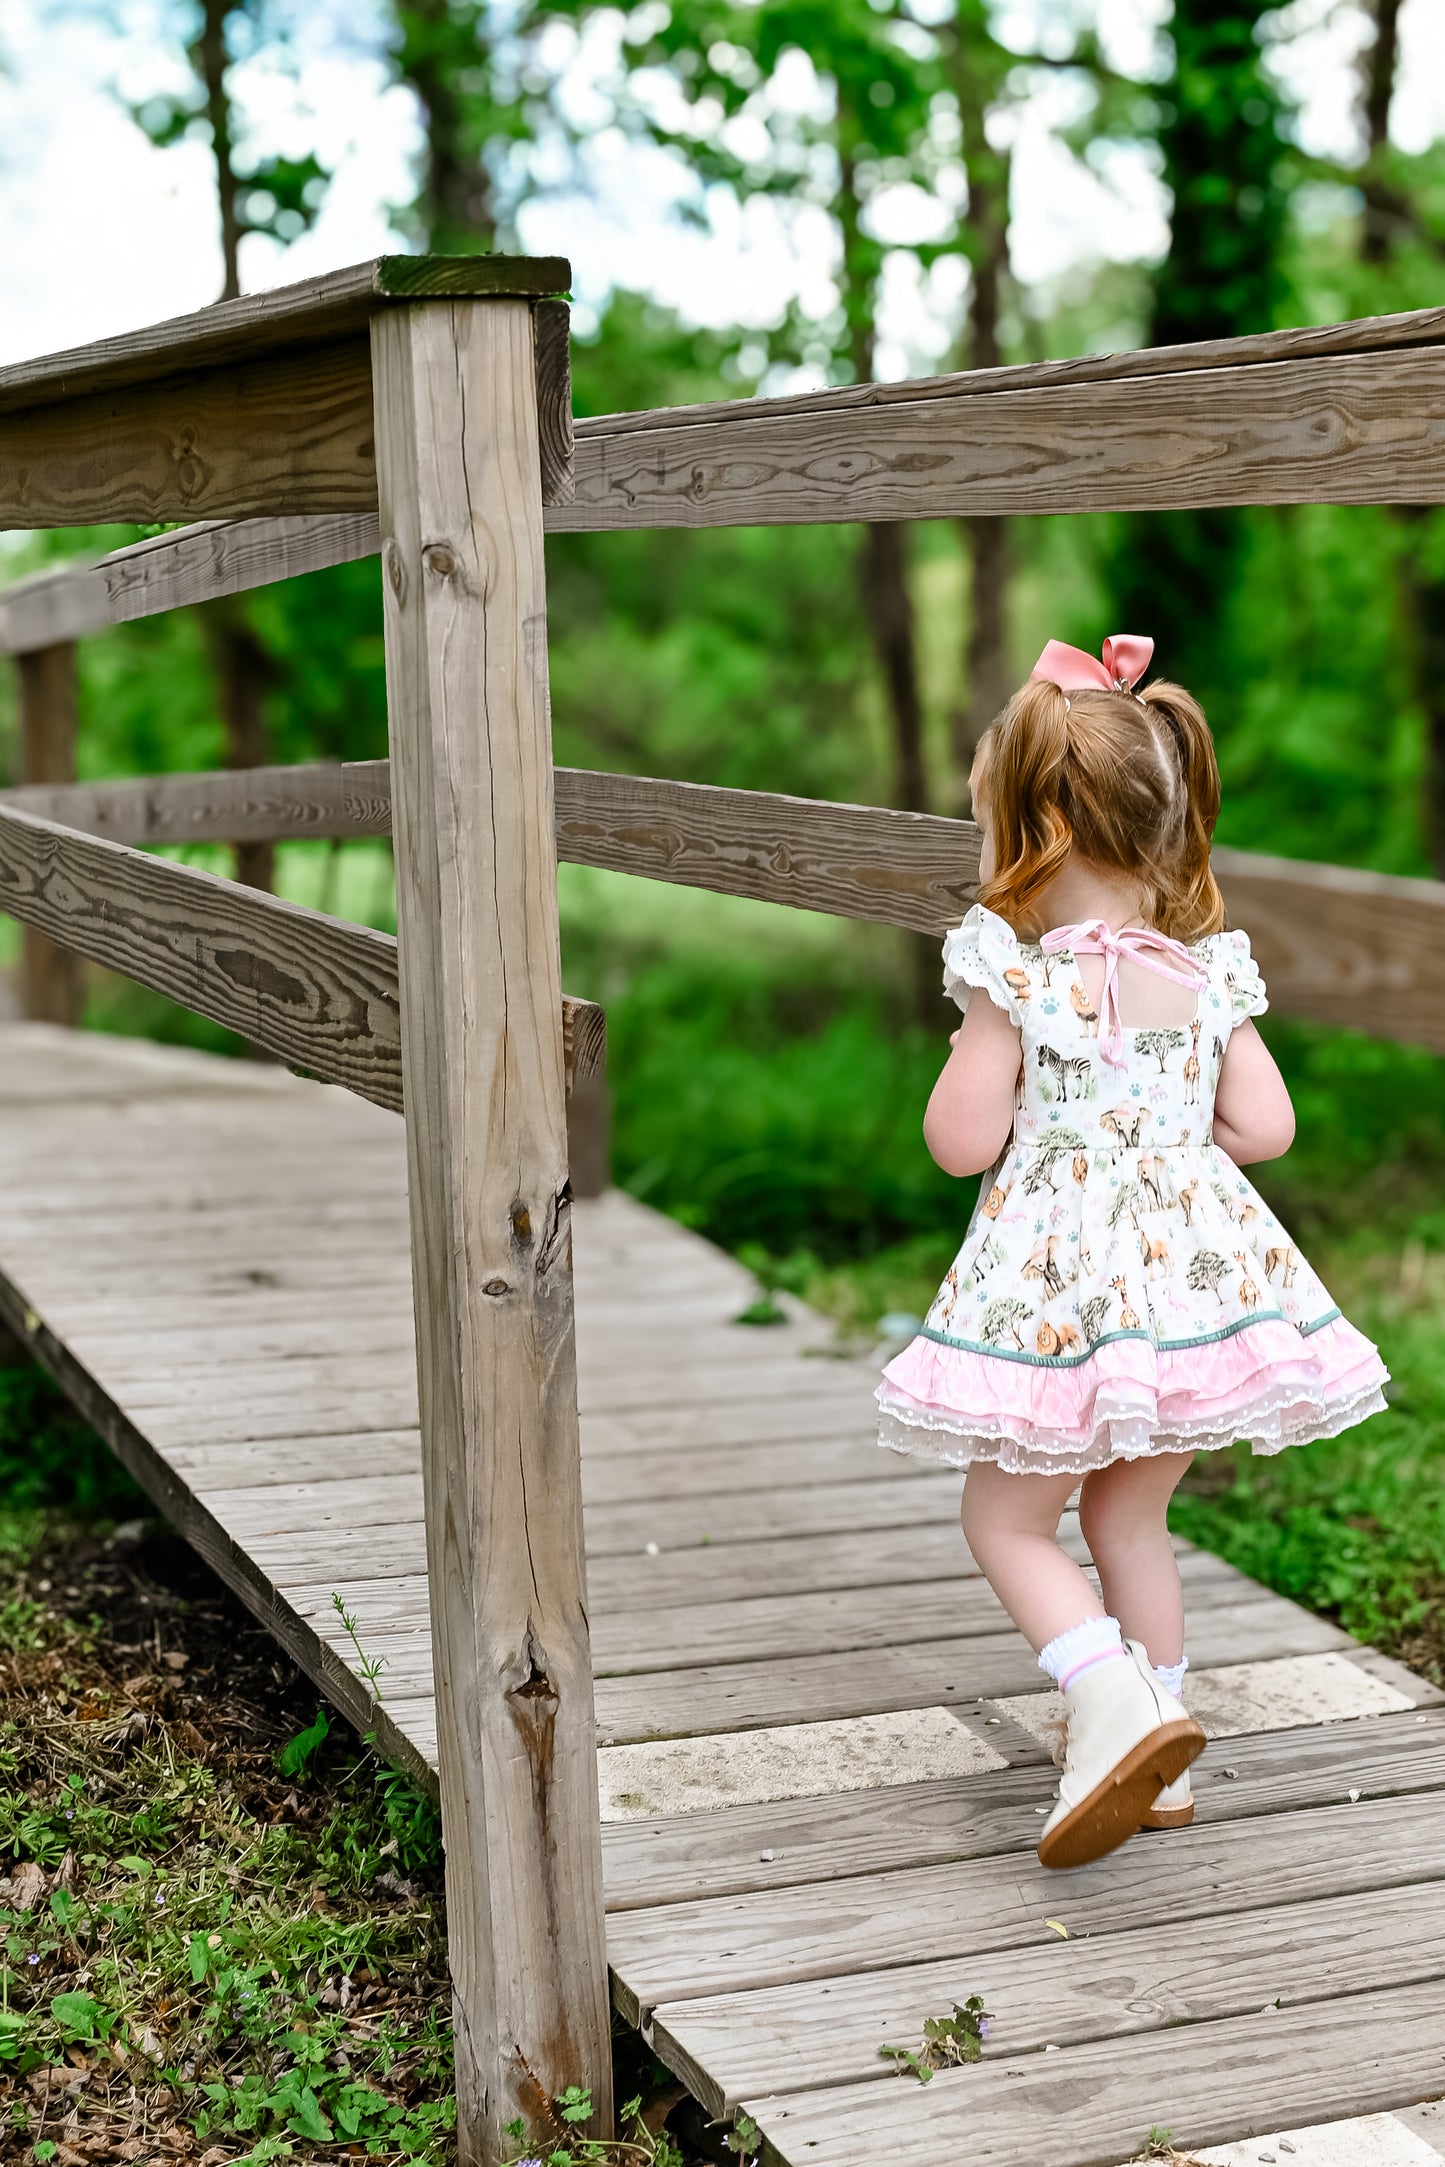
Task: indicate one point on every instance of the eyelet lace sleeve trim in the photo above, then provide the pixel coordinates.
(983, 952)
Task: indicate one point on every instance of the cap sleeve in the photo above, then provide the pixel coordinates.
(1247, 996)
(984, 952)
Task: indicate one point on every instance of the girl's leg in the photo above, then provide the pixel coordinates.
(1009, 1522)
(1122, 1511)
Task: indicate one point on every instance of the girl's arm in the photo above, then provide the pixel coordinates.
(1253, 1117)
(972, 1108)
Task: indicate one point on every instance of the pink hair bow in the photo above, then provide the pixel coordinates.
(1126, 657)
(1095, 938)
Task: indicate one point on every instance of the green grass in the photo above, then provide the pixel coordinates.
(193, 1935)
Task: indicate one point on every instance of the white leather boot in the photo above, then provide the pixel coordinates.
(1127, 1740)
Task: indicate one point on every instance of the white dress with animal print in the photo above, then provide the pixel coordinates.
(1122, 1290)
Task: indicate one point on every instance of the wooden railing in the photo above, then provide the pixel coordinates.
(418, 409)
(1337, 945)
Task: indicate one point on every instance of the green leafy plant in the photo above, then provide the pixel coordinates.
(948, 2041)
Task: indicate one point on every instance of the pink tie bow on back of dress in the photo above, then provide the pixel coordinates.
(1126, 657)
(1095, 938)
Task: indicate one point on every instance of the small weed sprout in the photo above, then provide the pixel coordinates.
(947, 2041)
(370, 1666)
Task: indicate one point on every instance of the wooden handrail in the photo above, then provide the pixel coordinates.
(319, 992)
(1337, 945)
(1344, 413)
(257, 406)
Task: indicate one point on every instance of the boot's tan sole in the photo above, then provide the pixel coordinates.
(1115, 1809)
(1168, 1816)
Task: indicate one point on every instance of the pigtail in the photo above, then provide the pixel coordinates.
(1024, 782)
(1190, 902)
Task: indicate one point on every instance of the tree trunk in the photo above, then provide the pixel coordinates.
(244, 674)
(986, 542)
(438, 45)
(1422, 597)
(211, 60)
(985, 659)
(1378, 64)
(883, 577)
(1421, 590)
(888, 606)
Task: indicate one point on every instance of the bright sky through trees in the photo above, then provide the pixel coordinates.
(99, 231)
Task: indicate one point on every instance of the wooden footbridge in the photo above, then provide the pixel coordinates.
(762, 1771)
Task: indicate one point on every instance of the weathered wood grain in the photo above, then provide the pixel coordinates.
(51, 986)
(947, 1673)
(319, 992)
(316, 991)
(1346, 947)
(941, 1672)
(1337, 945)
(464, 590)
(919, 1825)
(1348, 429)
(1361, 334)
(201, 563)
(219, 805)
(906, 869)
(290, 433)
(964, 1909)
(1091, 2106)
(551, 323)
(61, 603)
(304, 315)
(746, 1627)
(738, 2047)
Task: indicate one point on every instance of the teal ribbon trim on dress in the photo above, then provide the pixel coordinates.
(1162, 1346)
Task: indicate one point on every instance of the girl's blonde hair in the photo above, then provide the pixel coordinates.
(1128, 780)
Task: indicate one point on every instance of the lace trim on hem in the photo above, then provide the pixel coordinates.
(921, 1436)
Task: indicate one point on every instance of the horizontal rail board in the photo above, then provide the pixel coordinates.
(222, 805)
(1305, 342)
(306, 314)
(1341, 946)
(1346, 429)
(198, 563)
(286, 434)
(320, 993)
(1344, 414)
(1336, 945)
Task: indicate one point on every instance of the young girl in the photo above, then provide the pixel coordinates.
(1123, 1298)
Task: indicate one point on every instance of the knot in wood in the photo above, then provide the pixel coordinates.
(395, 568)
(521, 1222)
(440, 559)
(497, 1286)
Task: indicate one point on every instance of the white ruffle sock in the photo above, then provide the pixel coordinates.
(1079, 1649)
(1171, 1676)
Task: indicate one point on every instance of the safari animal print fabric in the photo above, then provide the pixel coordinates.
(1122, 1289)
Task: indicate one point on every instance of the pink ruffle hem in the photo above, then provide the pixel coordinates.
(1267, 1385)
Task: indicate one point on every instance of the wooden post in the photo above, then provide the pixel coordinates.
(52, 988)
(589, 1135)
(458, 468)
